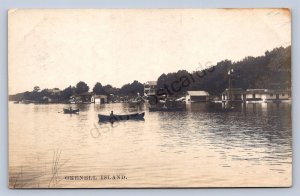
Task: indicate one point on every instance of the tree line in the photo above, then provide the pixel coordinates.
(37, 95)
(271, 71)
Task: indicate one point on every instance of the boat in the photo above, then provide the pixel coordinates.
(113, 118)
(166, 109)
(26, 102)
(168, 106)
(228, 109)
(71, 111)
(16, 102)
(136, 102)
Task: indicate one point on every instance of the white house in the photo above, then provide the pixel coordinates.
(197, 96)
(281, 95)
(256, 95)
(99, 99)
(266, 95)
(150, 88)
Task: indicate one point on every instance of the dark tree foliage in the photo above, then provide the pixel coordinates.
(67, 93)
(81, 87)
(98, 89)
(271, 71)
(110, 90)
(132, 89)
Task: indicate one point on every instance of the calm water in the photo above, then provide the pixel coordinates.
(201, 147)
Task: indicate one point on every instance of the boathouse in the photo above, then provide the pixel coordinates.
(281, 95)
(252, 95)
(100, 99)
(267, 95)
(197, 96)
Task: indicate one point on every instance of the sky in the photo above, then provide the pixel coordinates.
(59, 47)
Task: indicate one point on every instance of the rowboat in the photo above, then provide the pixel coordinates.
(168, 106)
(71, 111)
(136, 101)
(113, 118)
(165, 109)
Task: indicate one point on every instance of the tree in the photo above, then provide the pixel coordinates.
(109, 89)
(36, 89)
(132, 89)
(81, 87)
(270, 71)
(98, 89)
(67, 93)
(137, 87)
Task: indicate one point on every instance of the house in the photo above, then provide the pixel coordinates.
(99, 99)
(197, 96)
(54, 91)
(150, 88)
(256, 94)
(266, 95)
(54, 95)
(279, 95)
(233, 94)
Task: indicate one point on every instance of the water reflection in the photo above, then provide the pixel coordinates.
(201, 146)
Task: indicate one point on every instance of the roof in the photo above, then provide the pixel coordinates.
(151, 83)
(54, 90)
(257, 91)
(197, 93)
(99, 96)
(278, 91)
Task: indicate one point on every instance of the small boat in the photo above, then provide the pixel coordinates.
(166, 109)
(113, 118)
(228, 109)
(26, 102)
(16, 102)
(168, 106)
(136, 101)
(71, 111)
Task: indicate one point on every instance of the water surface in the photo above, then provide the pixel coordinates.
(201, 147)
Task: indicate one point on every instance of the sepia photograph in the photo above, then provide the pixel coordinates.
(149, 98)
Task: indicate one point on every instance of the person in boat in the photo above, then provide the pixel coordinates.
(112, 117)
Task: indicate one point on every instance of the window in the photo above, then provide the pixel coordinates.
(271, 95)
(283, 94)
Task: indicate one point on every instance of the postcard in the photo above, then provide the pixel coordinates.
(149, 98)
